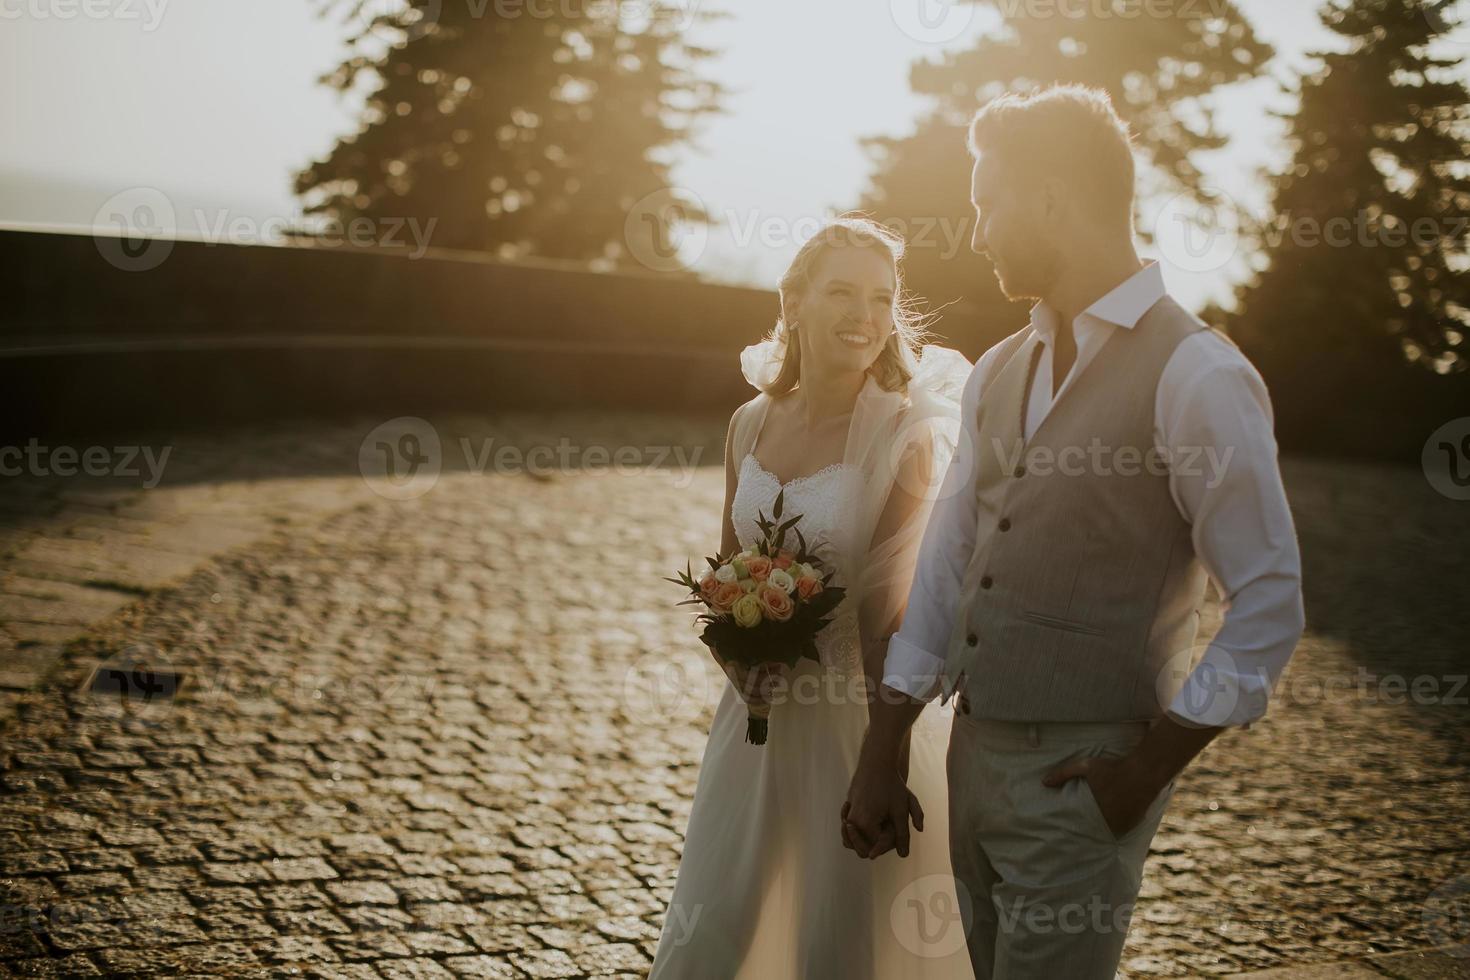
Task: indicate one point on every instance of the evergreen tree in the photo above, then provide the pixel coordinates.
(1160, 64)
(1359, 317)
(527, 129)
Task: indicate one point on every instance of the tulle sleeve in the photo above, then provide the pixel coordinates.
(903, 441)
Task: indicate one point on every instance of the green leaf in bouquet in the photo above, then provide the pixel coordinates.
(686, 578)
(780, 502)
(827, 600)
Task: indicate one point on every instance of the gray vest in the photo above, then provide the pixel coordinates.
(1084, 589)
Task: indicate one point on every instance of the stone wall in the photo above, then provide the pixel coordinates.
(95, 334)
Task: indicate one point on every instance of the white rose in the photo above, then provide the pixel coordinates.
(781, 580)
(725, 573)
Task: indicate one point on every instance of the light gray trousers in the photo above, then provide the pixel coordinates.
(1047, 887)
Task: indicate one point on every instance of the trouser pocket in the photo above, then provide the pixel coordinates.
(1086, 800)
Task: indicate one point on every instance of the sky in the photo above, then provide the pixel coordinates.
(203, 109)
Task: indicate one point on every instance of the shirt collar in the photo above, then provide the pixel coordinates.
(1124, 305)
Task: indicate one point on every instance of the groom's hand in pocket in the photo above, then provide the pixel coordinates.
(1125, 787)
(1122, 796)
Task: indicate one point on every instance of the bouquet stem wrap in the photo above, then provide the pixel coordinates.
(756, 687)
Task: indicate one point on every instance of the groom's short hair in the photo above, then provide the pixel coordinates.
(1069, 131)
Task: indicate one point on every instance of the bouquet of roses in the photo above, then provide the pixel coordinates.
(764, 607)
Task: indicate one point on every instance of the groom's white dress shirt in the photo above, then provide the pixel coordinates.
(1212, 419)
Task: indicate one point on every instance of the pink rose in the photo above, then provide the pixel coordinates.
(724, 596)
(758, 567)
(808, 587)
(707, 585)
(775, 603)
(784, 560)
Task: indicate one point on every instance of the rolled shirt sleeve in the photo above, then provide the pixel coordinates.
(1215, 423)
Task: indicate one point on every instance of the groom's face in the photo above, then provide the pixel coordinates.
(1011, 230)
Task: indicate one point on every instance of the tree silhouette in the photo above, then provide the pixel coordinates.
(1160, 65)
(1365, 298)
(519, 128)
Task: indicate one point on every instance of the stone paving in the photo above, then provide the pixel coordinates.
(434, 736)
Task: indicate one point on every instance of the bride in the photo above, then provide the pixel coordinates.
(857, 429)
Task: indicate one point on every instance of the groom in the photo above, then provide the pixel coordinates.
(1115, 453)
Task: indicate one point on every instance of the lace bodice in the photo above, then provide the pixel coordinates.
(823, 499)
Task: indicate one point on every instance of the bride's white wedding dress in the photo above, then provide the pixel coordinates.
(765, 889)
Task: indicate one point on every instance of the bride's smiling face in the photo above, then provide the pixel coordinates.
(845, 314)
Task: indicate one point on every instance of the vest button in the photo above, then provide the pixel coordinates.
(972, 639)
(1020, 471)
(1005, 524)
(986, 582)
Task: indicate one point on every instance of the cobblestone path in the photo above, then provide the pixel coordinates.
(427, 738)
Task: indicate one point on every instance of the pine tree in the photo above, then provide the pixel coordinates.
(1159, 63)
(526, 129)
(1379, 160)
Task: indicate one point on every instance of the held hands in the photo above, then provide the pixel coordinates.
(875, 818)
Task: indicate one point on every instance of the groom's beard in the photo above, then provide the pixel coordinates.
(1029, 270)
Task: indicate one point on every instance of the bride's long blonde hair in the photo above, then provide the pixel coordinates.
(893, 367)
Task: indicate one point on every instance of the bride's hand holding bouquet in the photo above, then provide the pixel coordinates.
(764, 606)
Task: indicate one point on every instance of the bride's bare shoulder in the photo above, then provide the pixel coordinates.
(737, 421)
(759, 402)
